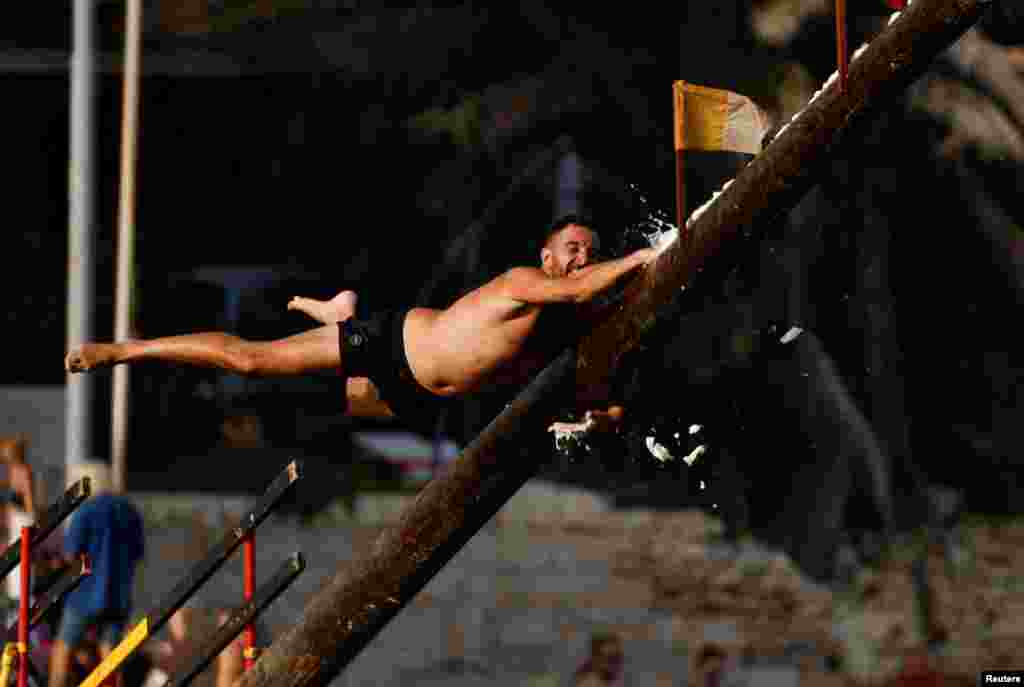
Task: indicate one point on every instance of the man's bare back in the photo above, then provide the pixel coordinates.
(488, 336)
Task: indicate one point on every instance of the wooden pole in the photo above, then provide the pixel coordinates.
(82, 182)
(679, 142)
(842, 54)
(125, 240)
(214, 644)
(365, 594)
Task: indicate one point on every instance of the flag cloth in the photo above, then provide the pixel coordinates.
(719, 131)
(713, 119)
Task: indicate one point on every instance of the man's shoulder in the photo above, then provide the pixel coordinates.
(509, 279)
(522, 271)
(519, 275)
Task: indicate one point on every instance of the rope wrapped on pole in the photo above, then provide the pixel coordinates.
(365, 594)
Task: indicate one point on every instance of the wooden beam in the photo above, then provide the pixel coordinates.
(175, 63)
(53, 516)
(197, 576)
(240, 619)
(365, 594)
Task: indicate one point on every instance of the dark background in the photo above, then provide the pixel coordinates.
(348, 146)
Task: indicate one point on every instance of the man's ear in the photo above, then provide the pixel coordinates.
(546, 256)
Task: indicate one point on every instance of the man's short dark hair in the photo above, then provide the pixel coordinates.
(564, 221)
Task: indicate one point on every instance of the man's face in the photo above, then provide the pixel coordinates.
(567, 251)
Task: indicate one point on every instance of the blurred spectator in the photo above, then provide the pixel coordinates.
(187, 631)
(108, 528)
(82, 660)
(917, 670)
(171, 655)
(715, 667)
(86, 657)
(604, 665)
(19, 504)
(231, 662)
(1017, 58)
(18, 488)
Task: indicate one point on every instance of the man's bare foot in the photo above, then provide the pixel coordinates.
(90, 357)
(341, 307)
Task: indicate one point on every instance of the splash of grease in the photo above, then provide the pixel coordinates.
(655, 226)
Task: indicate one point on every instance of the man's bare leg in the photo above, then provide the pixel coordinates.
(60, 664)
(341, 307)
(311, 351)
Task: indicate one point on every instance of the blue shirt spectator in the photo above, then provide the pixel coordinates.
(109, 529)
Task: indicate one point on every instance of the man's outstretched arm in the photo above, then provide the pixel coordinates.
(531, 285)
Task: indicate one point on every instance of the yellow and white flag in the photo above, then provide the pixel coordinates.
(713, 119)
(716, 133)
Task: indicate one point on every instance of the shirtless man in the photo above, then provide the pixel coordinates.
(403, 362)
